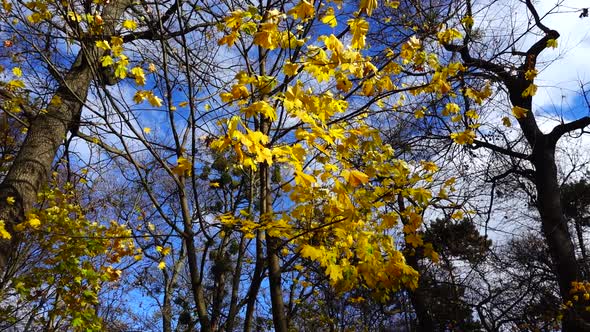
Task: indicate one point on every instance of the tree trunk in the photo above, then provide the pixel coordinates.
(555, 230)
(30, 169)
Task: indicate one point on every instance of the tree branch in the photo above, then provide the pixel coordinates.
(565, 128)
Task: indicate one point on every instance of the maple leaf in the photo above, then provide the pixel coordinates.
(139, 75)
(267, 36)
(130, 24)
(354, 177)
(303, 10)
(530, 74)
(531, 90)
(183, 167)
(329, 18)
(106, 60)
(359, 28)
(103, 44)
(519, 112)
(552, 43)
(465, 137)
(368, 6)
(334, 272)
(17, 72)
(310, 252)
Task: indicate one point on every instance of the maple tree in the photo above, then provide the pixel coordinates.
(247, 152)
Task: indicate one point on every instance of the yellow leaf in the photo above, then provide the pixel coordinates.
(260, 107)
(55, 101)
(552, 43)
(17, 72)
(368, 6)
(310, 252)
(267, 36)
(465, 137)
(354, 177)
(392, 4)
(139, 75)
(531, 90)
(506, 121)
(467, 21)
(154, 100)
(303, 179)
(147, 130)
(183, 167)
(130, 24)
(329, 18)
(530, 74)
(303, 10)
(359, 28)
(16, 84)
(334, 272)
(34, 222)
(446, 36)
(121, 71)
(290, 69)
(10, 200)
(162, 265)
(519, 112)
(106, 60)
(3, 233)
(103, 44)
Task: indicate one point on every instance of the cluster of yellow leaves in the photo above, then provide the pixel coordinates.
(148, 95)
(114, 57)
(3, 232)
(78, 257)
(448, 35)
(579, 296)
(344, 179)
(183, 167)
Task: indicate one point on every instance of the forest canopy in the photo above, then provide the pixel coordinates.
(301, 165)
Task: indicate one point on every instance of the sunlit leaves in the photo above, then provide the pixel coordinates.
(103, 44)
(367, 6)
(138, 75)
(359, 28)
(129, 24)
(183, 167)
(260, 107)
(464, 137)
(354, 177)
(329, 18)
(148, 95)
(448, 35)
(268, 36)
(303, 10)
